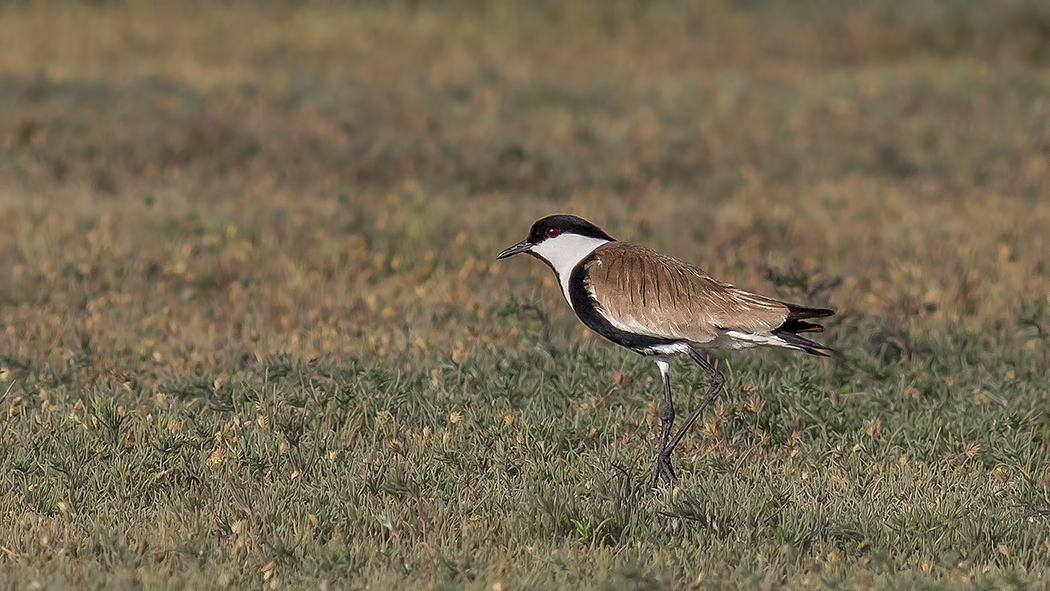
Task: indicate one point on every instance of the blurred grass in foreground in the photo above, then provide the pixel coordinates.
(252, 331)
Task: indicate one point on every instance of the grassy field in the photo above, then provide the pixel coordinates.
(253, 333)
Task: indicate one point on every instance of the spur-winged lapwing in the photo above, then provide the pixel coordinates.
(661, 307)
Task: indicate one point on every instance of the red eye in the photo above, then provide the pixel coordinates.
(553, 232)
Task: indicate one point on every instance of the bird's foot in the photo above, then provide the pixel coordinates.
(663, 471)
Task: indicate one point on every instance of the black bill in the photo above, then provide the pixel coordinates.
(520, 247)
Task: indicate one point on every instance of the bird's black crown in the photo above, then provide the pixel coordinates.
(567, 224)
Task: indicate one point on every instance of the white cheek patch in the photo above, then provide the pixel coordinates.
(564, 253)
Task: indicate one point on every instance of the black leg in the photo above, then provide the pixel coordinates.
(717, 380)
(663, 468)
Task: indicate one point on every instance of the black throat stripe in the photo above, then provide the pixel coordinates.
(589, 312)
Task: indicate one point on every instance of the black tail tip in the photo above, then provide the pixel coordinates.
(819, 352)
(788, 335)
(802, 312)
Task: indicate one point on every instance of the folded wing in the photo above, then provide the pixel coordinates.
(642, 291)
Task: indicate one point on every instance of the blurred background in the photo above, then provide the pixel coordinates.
(190, 185)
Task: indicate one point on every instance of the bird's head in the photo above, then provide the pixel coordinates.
(561, 241)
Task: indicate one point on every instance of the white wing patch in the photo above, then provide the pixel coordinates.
(734, 339)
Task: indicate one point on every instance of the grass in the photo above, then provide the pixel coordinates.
(252, 332)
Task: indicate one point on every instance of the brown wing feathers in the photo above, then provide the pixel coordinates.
(654, 294)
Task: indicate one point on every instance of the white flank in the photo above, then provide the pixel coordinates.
(670, 350)
(564, 252)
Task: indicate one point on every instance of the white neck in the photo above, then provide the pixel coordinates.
(564, 253)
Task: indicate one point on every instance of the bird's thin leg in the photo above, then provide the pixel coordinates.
(717, 380)
(663, 467)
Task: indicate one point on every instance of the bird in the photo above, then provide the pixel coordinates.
(662, 307)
